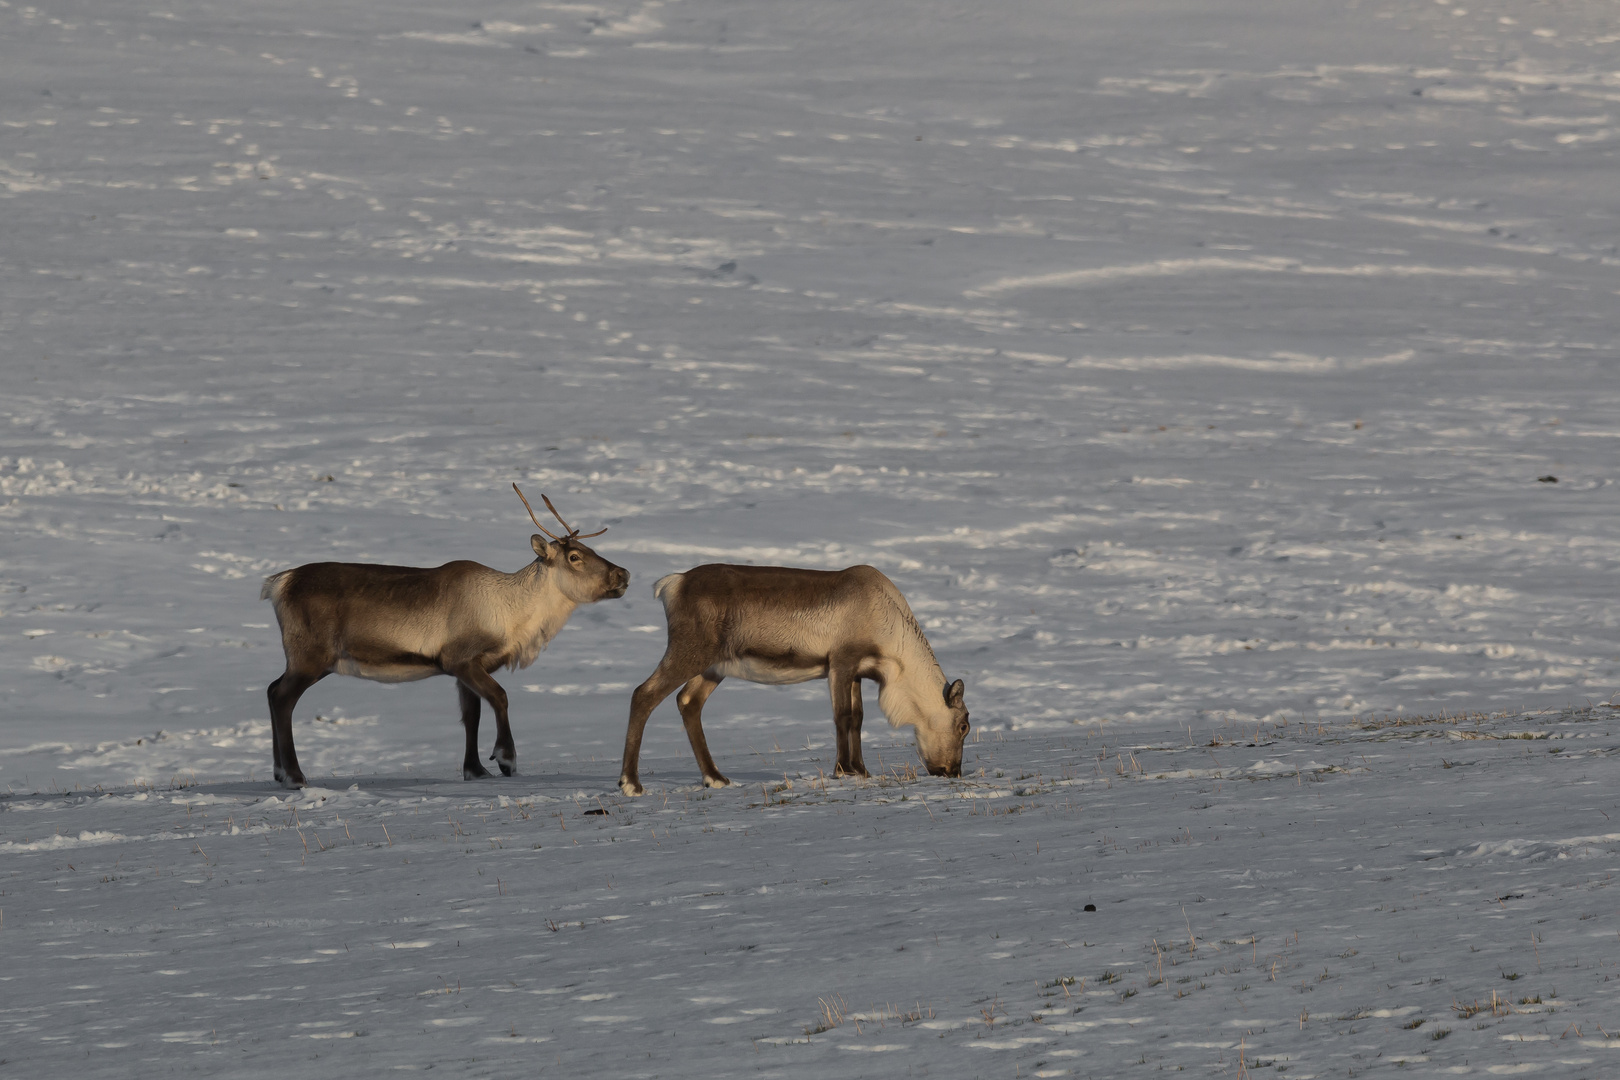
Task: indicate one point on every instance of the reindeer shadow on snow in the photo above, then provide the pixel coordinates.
(559, 786)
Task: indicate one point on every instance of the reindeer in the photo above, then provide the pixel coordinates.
(780, 625)
(402, 623)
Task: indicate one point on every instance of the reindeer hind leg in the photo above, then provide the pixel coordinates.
(670, 673)
(283, 695)
(690, 701)
(275, 729)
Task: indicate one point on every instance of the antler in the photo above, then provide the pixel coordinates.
(572, 534)
(532, 518)
(569, 529)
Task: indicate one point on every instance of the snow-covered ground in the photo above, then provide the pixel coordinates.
(1320, 901)
(1194, 368)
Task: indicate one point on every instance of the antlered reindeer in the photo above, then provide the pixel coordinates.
(402, 623)
(778, 625)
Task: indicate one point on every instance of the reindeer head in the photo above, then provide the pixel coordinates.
(940, 737)
(582, 575)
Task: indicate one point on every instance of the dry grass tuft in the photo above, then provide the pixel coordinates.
(834, 1011)
(1497, 1006)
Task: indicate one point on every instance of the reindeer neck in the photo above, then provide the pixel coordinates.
(537, 582)
(915, 686)
(537, 607)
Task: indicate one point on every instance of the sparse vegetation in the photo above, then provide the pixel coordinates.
(833, 1011)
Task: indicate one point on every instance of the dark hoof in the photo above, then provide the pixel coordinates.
(474, 771)
(716, 781)
(631, 786)
(293, 781)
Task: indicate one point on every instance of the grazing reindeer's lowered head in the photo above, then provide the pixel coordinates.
(402, 623)
(942, 732)
(776, 624)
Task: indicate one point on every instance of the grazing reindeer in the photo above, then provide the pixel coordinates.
(402, 623)
(778, 625)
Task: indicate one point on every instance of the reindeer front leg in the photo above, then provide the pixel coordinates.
(857, 716)
(471, 704)
(845, 690)
(478, 680)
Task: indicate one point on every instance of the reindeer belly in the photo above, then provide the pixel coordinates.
(387, 671)
(771, 670)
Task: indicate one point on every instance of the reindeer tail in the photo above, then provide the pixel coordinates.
(667, 588)
(273, 585)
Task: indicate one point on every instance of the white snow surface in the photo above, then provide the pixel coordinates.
(1318, 899)
(1204, 373)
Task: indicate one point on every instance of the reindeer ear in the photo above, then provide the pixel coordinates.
(953, 694)
(538, 542)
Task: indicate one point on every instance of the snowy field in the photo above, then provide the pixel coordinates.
(1318, 901)
(1207, 375)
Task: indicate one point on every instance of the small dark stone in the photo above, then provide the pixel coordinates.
(598, 812)
(1548, 479)
(1091, 907)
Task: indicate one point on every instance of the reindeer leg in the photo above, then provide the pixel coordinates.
(275, 732)
(479, 681)
(659, 685)
(690, 701)
(471, 706)
(856, 716)
(840, 680)
(840, 734)
(504, 752)
(284, 694)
